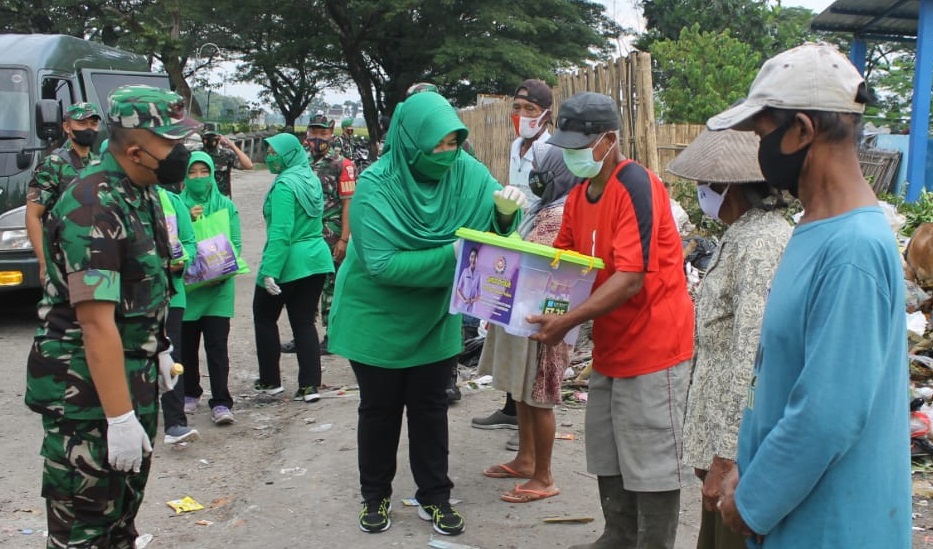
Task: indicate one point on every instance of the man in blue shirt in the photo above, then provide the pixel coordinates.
(823, 459)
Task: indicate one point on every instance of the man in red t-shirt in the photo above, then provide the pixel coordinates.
(642, 326)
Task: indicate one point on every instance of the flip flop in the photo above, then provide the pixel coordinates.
(504, 471)
(524, 495)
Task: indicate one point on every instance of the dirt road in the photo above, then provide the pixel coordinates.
(285, 474)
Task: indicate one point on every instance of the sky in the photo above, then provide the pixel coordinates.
(624, 11)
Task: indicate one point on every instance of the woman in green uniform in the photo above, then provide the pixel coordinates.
(389, 315)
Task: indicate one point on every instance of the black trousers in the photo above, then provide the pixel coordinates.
(299, 298)
(216, 330)
(384, 393)
(173, 402)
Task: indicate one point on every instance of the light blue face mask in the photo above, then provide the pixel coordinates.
(581, 163)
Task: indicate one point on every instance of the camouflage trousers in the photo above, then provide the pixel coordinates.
(89, 505)
(327, 298)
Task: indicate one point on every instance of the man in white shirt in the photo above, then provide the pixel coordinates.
(531, 114)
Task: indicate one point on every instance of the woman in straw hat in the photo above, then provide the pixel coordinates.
(729, 307)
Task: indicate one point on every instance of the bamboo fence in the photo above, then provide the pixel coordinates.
(673, 138)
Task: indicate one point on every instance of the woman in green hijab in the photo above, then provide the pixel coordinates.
(295, 262)
(210, 307)
(389, 315)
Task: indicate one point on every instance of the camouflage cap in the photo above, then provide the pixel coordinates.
(321, 121)
(420, 87)
(82, 111)
(144, 107)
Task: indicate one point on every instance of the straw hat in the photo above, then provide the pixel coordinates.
(727, 156)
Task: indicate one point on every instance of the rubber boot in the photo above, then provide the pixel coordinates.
(621, 515)
(659, 513)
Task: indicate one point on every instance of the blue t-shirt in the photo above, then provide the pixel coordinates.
(823, 447)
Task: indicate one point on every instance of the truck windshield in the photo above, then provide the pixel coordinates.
(106, 82)
(14, 105)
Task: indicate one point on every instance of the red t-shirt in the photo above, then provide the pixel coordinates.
(630, 227)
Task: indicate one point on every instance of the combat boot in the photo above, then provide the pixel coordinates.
(620, 510)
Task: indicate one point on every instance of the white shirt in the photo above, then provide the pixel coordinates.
(520, 166)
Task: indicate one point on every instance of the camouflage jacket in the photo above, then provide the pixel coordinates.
(224, 162)
(105, 240)
(343, 144)
(54, 173)
(338, 179)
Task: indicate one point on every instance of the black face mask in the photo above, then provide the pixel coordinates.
(85, 138)
(781, 171)
(211, 143)
(173, 168)
(319, 146)
(539, 181)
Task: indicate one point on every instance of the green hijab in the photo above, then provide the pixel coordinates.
(203, 191)
(413, 214)
(297, 175)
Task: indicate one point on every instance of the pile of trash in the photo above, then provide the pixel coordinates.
(917, 261)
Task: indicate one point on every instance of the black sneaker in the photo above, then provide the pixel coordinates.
(374, 516)
(307, 394)
(270, 390)
(289, 348)
(446, 521)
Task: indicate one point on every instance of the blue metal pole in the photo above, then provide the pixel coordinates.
(920, 105)
(858, 52)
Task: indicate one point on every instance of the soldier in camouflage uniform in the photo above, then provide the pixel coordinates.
(338, 179)
(81, 124)
(344, 142)
(93, 367)
(226, 156)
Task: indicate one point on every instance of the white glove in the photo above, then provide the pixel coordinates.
(127, 443)
(271, 286)
(167, 381)
(509, 200)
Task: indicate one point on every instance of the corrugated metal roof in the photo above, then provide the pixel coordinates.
(870, 18)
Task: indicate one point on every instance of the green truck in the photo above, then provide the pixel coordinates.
(40, 76)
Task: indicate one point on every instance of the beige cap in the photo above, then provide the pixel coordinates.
(814, 77)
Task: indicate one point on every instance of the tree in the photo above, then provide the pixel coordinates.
(465, 47)
(700, 85)
(666, 18)
(168, 30)
(890, 75)
(750, 30)
(292, 60)
(172, 31)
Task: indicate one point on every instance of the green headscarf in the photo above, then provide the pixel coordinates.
(297, 175)
(203, 191)
(413, 214)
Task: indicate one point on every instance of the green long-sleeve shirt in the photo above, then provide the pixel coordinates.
(295, 246)
(391, 307)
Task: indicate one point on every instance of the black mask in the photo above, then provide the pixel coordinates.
(539, 181)
(85, 138)
(319, 146)
(211, 143)
(172, 169)
(781, 171)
